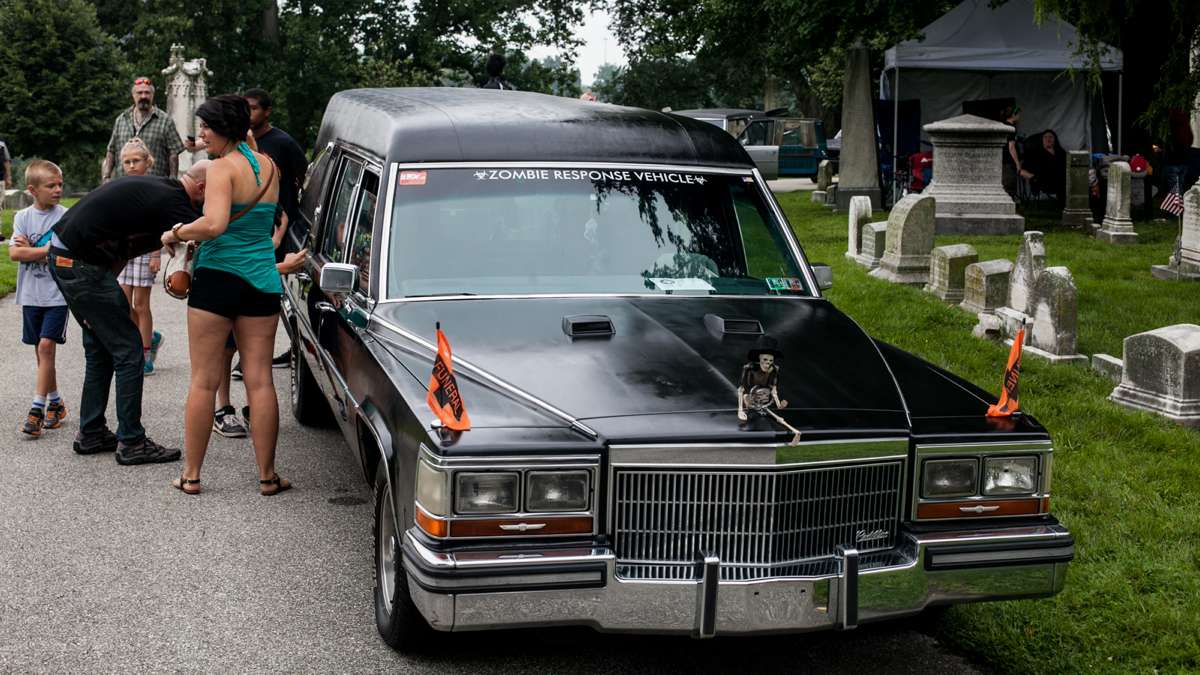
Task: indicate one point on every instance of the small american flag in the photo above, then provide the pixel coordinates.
(1172, 204)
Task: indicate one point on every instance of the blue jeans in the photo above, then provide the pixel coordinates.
(111, 343)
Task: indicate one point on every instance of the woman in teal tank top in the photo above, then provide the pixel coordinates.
(235, 287)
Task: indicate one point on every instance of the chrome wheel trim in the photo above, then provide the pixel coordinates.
(385, 555)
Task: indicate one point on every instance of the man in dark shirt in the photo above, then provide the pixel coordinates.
(119, 220)
(289, 157)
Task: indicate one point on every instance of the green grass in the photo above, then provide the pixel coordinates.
(1127, 484)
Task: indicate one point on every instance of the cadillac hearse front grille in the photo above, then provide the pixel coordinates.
(759, 523)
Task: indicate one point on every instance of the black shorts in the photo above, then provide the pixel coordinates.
(229, 295)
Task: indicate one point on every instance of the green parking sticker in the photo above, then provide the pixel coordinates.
(784, 284)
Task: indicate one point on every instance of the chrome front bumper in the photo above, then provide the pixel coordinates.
(514, 588)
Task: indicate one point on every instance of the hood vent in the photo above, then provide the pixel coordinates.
(588, 326)
(732, 326)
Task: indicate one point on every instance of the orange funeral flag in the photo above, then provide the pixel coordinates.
(444, 398)
(1009, 403)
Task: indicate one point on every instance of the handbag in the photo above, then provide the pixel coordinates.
(178, 283)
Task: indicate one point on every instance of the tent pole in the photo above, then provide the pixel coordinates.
(896, 137)
(1120, 105)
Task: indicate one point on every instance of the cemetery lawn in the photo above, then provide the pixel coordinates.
(1127, 484)
(8, 268)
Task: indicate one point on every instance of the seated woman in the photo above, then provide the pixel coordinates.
(235, 286)
(1045, 164)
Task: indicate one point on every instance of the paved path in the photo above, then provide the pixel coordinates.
(106, 568)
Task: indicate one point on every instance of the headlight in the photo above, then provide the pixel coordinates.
(557, 491)
(1009, 476)
(432, 492)
(485, 492)
(950, 478)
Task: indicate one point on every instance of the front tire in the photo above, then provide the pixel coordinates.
(399, 621)
(308, 404)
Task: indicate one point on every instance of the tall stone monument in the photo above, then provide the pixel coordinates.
(858, 170)
(1077, 212)
(1161, 373)
(1117, 227)
(186, 90)
(909, 242)
(966, 177)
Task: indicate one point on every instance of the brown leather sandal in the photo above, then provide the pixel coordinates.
(188, 486)
(273, 486)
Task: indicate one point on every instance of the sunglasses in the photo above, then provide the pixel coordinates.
(142, 80)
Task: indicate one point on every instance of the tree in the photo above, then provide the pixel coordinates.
(64, 83)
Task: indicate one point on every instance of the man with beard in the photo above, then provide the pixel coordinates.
(144, 120)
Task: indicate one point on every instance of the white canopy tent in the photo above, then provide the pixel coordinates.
(975, 52)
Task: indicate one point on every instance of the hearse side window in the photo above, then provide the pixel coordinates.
(333, 238)
(360, 246)
(315, 179)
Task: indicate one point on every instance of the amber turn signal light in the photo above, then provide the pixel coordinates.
(434, 527)
(517, 527)
(981, 509)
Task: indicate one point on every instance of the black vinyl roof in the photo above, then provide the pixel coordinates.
(445, 124)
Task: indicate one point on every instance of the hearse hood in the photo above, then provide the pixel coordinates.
(668, 369)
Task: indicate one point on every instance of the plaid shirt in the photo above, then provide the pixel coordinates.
(159, 134)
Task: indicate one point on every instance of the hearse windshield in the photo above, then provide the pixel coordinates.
(500, 231)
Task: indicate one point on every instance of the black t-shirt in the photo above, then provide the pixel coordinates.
(124, 218)
(288, 156)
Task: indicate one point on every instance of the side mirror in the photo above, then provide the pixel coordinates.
(338, 278)
(824, 275)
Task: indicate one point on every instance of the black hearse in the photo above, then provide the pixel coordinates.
(673, 431)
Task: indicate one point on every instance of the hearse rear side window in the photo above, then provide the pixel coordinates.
(497, 231)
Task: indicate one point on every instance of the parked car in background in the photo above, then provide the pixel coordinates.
(672, 430)
(732, 120)
(785, 147)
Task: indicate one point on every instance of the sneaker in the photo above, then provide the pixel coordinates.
(55, 414)
(145, 451)
(148, 368)
(34, 422)
(236, 373)
(90, 444)
(284, 360)
(156, 340)
(246, 416)
(226, 423)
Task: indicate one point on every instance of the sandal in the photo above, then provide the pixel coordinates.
(188, 486)
(273, 486)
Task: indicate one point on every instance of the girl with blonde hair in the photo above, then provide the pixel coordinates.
(138, 276)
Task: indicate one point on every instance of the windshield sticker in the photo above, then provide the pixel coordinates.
(591, 175)
(784, 284)
(687, 284)
(412, 177)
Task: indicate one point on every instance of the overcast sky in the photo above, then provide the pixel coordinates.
(600, 47)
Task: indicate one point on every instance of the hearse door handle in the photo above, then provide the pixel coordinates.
(325, 307)
(303, 277)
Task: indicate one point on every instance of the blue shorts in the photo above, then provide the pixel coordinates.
(44, 322)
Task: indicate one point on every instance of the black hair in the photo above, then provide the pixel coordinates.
(227, 114)
(260, 95)
(495, 65)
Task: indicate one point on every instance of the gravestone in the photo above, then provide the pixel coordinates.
(1117, 227)
(859, 215)
(858, 166)
(1031, 260)
(1184, 264)
(1054, 311)
(819, 196)
(824, 175)
(1162, 373)
(967, 177)
(909, 240)
(1078, 212)
(985, 286)
(873, 243)
(1109, 366)
(947, 271)
(831, 196)
(186, 90)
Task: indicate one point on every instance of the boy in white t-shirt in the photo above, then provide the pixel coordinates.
(43, 309)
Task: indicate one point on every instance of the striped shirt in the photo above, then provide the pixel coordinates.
(157, 131)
